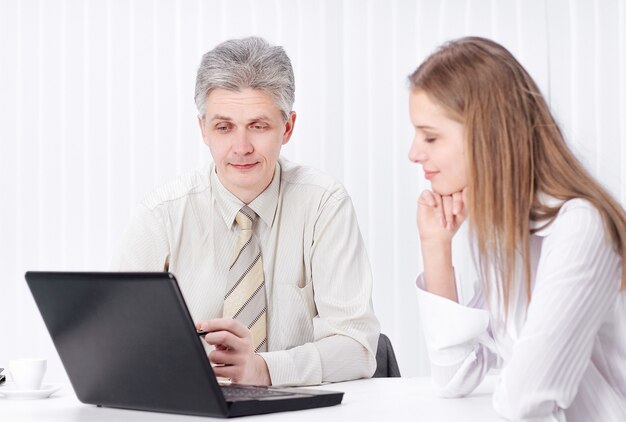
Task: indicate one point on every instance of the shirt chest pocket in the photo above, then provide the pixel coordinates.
(294, 307)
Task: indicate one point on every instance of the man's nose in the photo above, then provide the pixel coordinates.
(242, 144)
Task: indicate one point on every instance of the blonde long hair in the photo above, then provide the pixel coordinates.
(514, 150)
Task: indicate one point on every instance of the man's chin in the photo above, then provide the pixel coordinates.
(248, 188)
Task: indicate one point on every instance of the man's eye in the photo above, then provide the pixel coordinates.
(430, 140)
(222, 128)
(259, 126)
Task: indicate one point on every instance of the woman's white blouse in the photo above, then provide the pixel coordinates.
(563, 355)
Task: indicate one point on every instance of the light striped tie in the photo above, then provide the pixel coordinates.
(245, 289)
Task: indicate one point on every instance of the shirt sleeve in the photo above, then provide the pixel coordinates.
(458, 340)
(144, 245)
(346, 330)
(577, 281)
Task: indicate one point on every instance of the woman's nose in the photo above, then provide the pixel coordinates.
(416, 153)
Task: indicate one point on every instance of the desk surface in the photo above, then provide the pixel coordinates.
(373, 399)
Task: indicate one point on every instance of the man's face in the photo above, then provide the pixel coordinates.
(244, 131)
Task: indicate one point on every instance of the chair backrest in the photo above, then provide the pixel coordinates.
(386, 363)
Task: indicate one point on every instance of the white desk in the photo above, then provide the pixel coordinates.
(379, 399)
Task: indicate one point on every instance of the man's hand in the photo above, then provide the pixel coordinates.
(234, 355)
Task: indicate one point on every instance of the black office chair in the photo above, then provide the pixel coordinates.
(386, 363)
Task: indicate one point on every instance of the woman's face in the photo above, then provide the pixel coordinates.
(437, 145)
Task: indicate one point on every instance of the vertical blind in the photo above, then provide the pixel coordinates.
(96, 109)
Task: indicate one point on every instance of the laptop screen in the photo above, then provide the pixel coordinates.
(127, 340)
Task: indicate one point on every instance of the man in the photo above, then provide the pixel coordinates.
(267, 253)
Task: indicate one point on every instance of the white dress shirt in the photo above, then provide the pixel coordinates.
(563, 355)
(321, 325)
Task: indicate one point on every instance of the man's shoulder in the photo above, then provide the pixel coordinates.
(185, 186)
(301, 177)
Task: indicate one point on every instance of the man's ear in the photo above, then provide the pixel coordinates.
(201, 124)
(289, 125)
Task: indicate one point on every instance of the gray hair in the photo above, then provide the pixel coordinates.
(247, 63)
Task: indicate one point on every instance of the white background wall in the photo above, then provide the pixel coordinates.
(96, 108)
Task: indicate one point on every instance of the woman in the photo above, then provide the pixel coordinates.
(549, 242)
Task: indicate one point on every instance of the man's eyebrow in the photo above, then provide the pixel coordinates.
(425, 127)
(220, 117)
(260, 117)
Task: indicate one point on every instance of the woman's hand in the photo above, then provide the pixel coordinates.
(439, 217)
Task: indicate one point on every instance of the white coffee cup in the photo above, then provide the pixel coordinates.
(27, 373)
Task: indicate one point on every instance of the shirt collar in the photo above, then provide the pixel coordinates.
(549, 201)
(264, 205)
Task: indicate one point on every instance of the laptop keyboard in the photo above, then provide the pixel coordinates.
(232, 393)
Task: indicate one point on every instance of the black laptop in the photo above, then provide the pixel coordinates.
(127, 340)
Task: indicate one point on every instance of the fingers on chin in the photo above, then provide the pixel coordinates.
(427, 198)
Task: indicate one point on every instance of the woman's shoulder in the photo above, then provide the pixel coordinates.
(574, 215)
(578, 206)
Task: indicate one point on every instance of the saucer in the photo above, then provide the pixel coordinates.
(9, 392)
